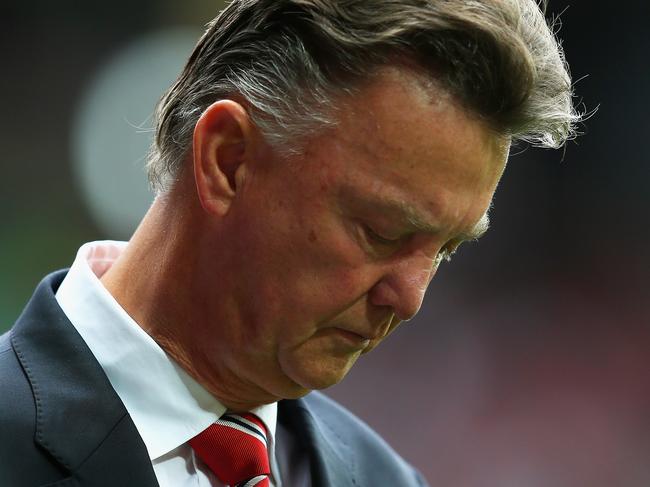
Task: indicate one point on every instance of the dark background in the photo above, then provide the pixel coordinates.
(528, 364)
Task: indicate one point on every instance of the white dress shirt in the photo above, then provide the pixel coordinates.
(167, 406)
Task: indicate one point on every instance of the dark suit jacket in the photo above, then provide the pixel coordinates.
(62, 424)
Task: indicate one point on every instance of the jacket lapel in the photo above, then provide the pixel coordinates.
(330, 465)
(80, 420)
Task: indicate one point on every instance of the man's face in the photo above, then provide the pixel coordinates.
(336, 246)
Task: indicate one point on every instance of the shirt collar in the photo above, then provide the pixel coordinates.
(167, 406)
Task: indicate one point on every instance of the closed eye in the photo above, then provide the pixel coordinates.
(376, 238)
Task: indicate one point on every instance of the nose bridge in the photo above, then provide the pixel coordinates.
(408, 280)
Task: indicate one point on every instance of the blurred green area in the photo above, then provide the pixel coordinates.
(50, 52)
(34, 246)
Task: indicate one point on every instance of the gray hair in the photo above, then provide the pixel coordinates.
(289, 60)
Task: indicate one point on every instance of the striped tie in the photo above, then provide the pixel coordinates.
(235, 449)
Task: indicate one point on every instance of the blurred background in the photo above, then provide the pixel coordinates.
(528, 364)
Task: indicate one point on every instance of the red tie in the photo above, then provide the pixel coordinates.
(235, 449)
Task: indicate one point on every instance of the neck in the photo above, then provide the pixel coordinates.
(158, 281)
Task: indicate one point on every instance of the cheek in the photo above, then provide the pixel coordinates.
(300, 257)
(301, 276)
(326, 286)
(338, 292)
(335, 270)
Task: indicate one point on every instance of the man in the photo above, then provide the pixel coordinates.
(314, 163)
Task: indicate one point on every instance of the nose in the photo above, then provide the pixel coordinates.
(402, 287)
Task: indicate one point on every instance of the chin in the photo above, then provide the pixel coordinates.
(315, 383)
(314, 373)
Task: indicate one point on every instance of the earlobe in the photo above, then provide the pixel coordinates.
(221, 141)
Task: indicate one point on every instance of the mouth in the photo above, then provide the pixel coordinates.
(374, 333)
(356, 335)
(353, 338)
(359, 335)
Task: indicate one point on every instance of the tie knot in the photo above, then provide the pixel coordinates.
(235, 448)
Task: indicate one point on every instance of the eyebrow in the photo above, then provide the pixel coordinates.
(416, 221)
(411, 215)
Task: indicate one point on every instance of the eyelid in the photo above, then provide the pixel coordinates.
(374, 235)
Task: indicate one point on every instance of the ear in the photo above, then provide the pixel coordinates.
(222, 138)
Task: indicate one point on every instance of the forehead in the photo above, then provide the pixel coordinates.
(404, 115)
(405, 140)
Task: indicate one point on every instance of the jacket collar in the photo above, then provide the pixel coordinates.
(80, 420)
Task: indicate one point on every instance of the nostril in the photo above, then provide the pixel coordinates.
(383, 294)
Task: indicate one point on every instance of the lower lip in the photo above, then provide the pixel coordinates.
(352, 337)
